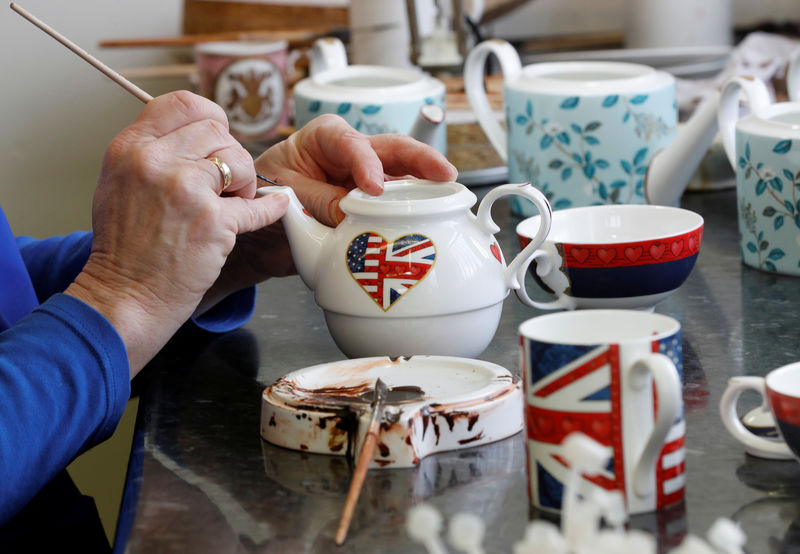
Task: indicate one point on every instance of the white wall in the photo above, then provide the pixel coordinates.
(58, 113)
(551, 17)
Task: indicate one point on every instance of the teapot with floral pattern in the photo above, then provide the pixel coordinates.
(590, 132)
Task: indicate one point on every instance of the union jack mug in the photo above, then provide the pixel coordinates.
(614, 375)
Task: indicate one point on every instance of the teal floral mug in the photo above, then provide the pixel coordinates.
(764, 150)
(583, 133)
(372, 99)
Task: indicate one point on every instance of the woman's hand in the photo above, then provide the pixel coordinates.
(327, 158)
(322, 162)
(162, 232)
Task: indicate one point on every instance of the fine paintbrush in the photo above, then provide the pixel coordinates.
(364, 459)
(100, 66)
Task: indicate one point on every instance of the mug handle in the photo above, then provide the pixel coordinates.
(547, 264)
(668, 388)
(755, 445)
(728, 109)
(510, 66)
(514, 275)
(326, 53)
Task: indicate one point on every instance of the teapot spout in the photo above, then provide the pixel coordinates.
(429, 120)
(306, 235)
(671, 169)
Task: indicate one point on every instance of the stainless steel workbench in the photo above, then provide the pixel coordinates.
(202, 480)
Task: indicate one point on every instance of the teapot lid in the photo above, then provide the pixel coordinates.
(591, 77)
(409, 198)
(780, 120)
(360, 83)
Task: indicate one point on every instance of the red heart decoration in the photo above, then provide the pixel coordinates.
(569, 425)
(606, 255)
(657, 250)
(600, 428)
(676, 247)
(543, 425)
(579, 254)
(633, 253)
(692, 244)
(496, 252)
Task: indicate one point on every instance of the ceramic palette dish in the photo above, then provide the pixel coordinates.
(435, 404)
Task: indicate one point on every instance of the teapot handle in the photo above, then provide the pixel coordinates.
(520, 263)
(728, 109)
(510, 66)
(546, 265)
(327, 53)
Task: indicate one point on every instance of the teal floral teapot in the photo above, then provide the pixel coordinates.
(372, 99)
(588, 133)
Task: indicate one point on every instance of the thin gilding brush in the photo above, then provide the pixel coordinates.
(364, 459)
(100, 66)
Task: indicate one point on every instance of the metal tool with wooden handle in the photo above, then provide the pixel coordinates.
(364, 459)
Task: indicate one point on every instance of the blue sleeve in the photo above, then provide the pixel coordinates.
(53, 263)
(65, 381)
(229, 314)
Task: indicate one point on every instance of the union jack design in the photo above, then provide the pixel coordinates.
(577, 388)
(388, 270)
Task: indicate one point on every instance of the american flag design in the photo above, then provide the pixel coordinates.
(388, 270)
(578, 388)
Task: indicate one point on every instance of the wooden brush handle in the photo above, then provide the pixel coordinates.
(360, 473)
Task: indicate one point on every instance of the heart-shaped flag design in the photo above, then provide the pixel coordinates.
(388, 270)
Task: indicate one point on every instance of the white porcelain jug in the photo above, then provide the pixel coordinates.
(412, 271)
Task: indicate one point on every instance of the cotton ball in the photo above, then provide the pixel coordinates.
(423, 523)
(693, 545)
(726, 536)
(466, 532)
(541, 537)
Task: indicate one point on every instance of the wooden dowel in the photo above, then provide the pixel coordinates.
(103, 68)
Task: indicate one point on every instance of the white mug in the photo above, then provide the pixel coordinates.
(780, 391)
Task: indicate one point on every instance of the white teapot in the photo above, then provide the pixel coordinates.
(412, 271)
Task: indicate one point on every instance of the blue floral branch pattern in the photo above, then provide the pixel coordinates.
(781, 187)
(572, 147)
(362, 122)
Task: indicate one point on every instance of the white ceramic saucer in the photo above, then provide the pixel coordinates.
(435, 403)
